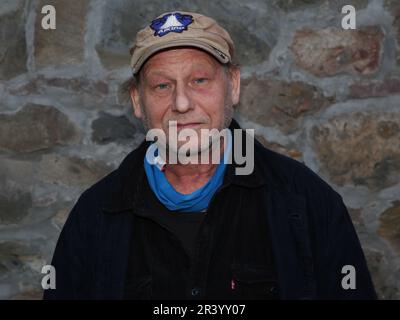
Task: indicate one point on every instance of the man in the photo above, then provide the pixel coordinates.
(172, 230)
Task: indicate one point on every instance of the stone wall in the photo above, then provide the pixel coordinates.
(313, 91)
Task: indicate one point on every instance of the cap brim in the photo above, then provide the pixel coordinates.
(220, 56)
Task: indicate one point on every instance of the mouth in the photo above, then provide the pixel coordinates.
(188, 125)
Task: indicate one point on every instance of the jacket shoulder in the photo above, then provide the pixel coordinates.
(290, 174)
(106, 189)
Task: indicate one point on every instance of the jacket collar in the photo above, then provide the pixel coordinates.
(130, 175)
(256, 178)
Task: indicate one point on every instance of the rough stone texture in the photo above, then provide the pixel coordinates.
(108, 128)
(14, 205)
(29, 295)
(60, 218)
(390, 225)
(13, 53)
(65, 44)
(112, 59)
(331, 51)
(16, 181)
(289, 151)
(378, 267)
(14, 257)
(253, 40)
(20, 267)
(371, 89)
(280, 104)
(71, 171)
(79, 85)
(363, 149)
(393, 7)
(358, 221)
(321, 95)
(20, 172)
(36, 127)
(290, 5)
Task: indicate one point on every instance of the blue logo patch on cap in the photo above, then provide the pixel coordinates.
(171, 22)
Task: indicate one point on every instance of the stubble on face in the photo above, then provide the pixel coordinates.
(227, 110)
(201, 146)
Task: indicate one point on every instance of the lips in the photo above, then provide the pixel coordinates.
(188, 125)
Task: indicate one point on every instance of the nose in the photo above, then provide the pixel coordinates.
(182, 99)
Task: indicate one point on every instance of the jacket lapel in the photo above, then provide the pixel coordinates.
(115, 227)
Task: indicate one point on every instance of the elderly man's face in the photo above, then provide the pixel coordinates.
(186, 85)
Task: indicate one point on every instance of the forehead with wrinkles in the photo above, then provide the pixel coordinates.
(174, 62)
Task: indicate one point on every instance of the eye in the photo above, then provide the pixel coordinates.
(162, 86)
(200, 80)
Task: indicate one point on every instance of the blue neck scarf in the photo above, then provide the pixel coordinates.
(195, 201)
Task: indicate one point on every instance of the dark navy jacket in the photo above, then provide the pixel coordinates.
(306, 223)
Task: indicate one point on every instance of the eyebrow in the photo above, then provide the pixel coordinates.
(195, 68)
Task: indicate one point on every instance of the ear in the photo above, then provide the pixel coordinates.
(135, 97)
(235, 81)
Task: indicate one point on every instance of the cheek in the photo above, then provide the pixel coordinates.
(155, 109)
(213, 103)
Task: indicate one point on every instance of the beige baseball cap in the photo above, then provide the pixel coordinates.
(180, 28)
